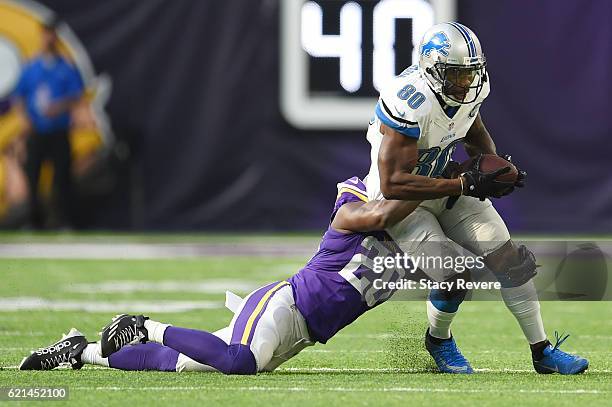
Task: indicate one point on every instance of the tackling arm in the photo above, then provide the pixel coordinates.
(371, 216)
(478, 140)
(397, 158)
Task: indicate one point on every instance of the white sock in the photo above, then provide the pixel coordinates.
(91, 355)
(439, 321)
(156, 330)
(523, 302)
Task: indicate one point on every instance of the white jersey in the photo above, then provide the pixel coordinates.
(408, 105)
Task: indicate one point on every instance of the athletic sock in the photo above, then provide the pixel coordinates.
(91, 355)
(144, 356)
(537, 349)
(439, 321)
(523, 302)
(208, 349)
(155, 330)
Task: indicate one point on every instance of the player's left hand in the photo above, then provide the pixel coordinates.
(522, 175)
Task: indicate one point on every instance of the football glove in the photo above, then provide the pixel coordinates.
(471, 178)
(484, 184)
(522, 175)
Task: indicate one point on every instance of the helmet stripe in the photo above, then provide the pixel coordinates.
(466, 36)
(472, 42)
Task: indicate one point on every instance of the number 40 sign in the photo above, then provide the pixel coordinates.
(348, 39)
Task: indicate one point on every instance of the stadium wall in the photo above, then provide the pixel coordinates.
(195, 100)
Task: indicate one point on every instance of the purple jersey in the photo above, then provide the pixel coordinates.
(335, 287)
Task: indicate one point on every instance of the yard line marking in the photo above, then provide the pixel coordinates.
(73, 250)
(21, 333)
(505, 335)
(343, 351)
(339, 389)
(379, 351)
(214, 286)
(600, 337)
(402, 370)
(377, 336)
(351, 370)
(474, 352)
(8, 304)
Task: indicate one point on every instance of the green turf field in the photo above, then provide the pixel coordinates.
(380, 360)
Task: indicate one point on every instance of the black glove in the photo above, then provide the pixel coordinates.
(522, 175)
(484, 184)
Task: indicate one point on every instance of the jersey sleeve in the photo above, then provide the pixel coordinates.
(351, 190)
(395, 111)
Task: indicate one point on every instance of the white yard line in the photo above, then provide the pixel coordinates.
(213, 286)
(153, 250)
(8, 304)
(337, 389)
(399, 370)
(343, 351)
(21, 333)
(307, 370)
(378, 351)
(400, 336)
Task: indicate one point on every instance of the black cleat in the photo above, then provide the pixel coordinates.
(123, 330)
(66, 351)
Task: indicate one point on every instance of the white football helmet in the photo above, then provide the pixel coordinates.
(452, 61)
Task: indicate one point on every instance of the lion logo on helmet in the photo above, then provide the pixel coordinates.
(439, 43)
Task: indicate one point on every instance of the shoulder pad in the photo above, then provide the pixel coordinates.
(403, 102)
(351, 190)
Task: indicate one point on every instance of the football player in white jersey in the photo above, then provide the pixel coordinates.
(420, 117)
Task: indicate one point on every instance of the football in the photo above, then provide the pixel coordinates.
(490, 163)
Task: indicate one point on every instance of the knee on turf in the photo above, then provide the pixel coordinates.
(512, 266)
(239, 361)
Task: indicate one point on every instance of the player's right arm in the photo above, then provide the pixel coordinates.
(397, 158)
(372, 215)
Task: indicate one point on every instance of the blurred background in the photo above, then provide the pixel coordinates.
(243, 115)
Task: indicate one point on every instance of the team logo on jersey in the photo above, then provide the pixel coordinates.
(447, 137)
(439, 43)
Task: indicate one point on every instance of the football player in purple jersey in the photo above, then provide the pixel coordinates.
(273, 323)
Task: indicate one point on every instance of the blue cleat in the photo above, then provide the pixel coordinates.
(554, 360)
(446, 355)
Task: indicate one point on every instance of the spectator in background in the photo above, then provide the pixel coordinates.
(48, 89)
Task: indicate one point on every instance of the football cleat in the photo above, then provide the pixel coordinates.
(66, 351)
(446, 355)
(554, 360)
(123, 330)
